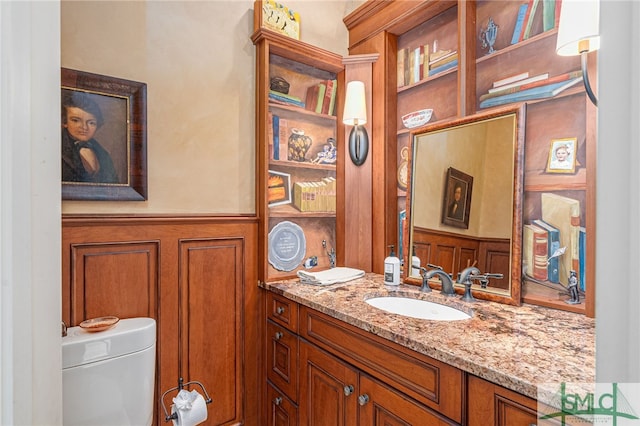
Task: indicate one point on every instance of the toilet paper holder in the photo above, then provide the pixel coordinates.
(181, 385)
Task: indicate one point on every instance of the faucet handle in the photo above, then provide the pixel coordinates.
(431, 265)
(64, 329)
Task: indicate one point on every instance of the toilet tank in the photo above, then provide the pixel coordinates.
(108, 376)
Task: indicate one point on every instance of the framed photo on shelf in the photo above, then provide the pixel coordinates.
(104, 137)
(278, 188)
(456, 203)
(562, 156)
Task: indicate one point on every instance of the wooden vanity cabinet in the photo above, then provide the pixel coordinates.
(489, 404)
(332, 373)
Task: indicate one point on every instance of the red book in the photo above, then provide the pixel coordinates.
(312, 97)
(327, 97)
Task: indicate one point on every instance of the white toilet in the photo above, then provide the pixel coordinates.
(108, 376)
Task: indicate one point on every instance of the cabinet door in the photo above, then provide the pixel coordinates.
(489, 404)
(282, 412)
(381, 405)
(282, 359)
(328, 389)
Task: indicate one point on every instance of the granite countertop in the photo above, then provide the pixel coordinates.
(519, 347)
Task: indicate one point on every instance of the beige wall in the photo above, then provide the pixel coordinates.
(197, 60)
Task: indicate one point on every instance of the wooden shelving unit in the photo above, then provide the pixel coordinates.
(301, 65)
(455, 94)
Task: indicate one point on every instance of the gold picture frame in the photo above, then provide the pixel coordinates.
(562, 156)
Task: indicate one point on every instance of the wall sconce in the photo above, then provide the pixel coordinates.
(355, 114)
(579, 34)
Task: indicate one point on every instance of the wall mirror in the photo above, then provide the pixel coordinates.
(464, 201)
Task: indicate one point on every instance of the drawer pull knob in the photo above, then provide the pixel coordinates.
(277, 401)
(280, 310)
(363, 399)
(348, 390)
(279, 335)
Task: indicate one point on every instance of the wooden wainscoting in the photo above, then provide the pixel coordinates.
(197, 276)
(454, 252)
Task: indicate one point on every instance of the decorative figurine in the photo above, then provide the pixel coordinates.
(329, 153)
(488, 36)
(573, 289)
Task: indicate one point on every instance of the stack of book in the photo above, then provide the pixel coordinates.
(555, 245)
(441, 61)
(522, 87)
(416, 64)
(321, 97)
(284, 99)
(533, 18)
(317, 196)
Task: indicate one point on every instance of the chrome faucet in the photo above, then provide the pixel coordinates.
(445, 279)
(468, 275)
(64, 329)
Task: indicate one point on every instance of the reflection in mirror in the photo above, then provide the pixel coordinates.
(464, 201)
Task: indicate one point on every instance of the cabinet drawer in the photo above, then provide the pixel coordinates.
(282, 359)
(431, 382)
(282, 412)
(283, 311)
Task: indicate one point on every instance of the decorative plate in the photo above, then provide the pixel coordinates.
(287, 246)
(99, 324)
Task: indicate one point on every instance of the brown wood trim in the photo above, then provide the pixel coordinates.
(149, 247)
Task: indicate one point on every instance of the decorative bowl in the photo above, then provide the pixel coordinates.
(99, 324)
(417, 118)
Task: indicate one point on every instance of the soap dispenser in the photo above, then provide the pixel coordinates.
(392, 268)
(415, 263)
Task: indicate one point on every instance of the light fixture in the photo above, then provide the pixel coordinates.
(355, 114)
(578, 34)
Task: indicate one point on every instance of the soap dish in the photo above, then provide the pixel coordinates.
(99, 324)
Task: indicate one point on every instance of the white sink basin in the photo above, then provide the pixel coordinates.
(417, 308)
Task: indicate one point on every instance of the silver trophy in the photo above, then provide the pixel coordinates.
(488, 36)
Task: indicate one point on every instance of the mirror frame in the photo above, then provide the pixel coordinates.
(513, 297)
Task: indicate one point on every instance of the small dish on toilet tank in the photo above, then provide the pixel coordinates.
(99, 324)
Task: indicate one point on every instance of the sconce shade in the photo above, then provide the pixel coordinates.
(578, 29)
(355, 106)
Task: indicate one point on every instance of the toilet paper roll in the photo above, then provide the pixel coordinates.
(190, 407)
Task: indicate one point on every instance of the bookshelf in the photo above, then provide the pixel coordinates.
(456, 93)
(296, 152)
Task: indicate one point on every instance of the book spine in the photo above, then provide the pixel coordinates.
(276, 136)
(321, 91)
(532, 15)
(332, 102)
(517, 30)
(327, 97)
(283, 150)
(270, 134)
(400, 72)
(312, 98)
(548, 14)
(526, 18)
(540, 255)
(553, 244)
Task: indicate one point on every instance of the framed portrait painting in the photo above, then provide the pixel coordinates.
(104, 137)
(562, 156)
(456, 203)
